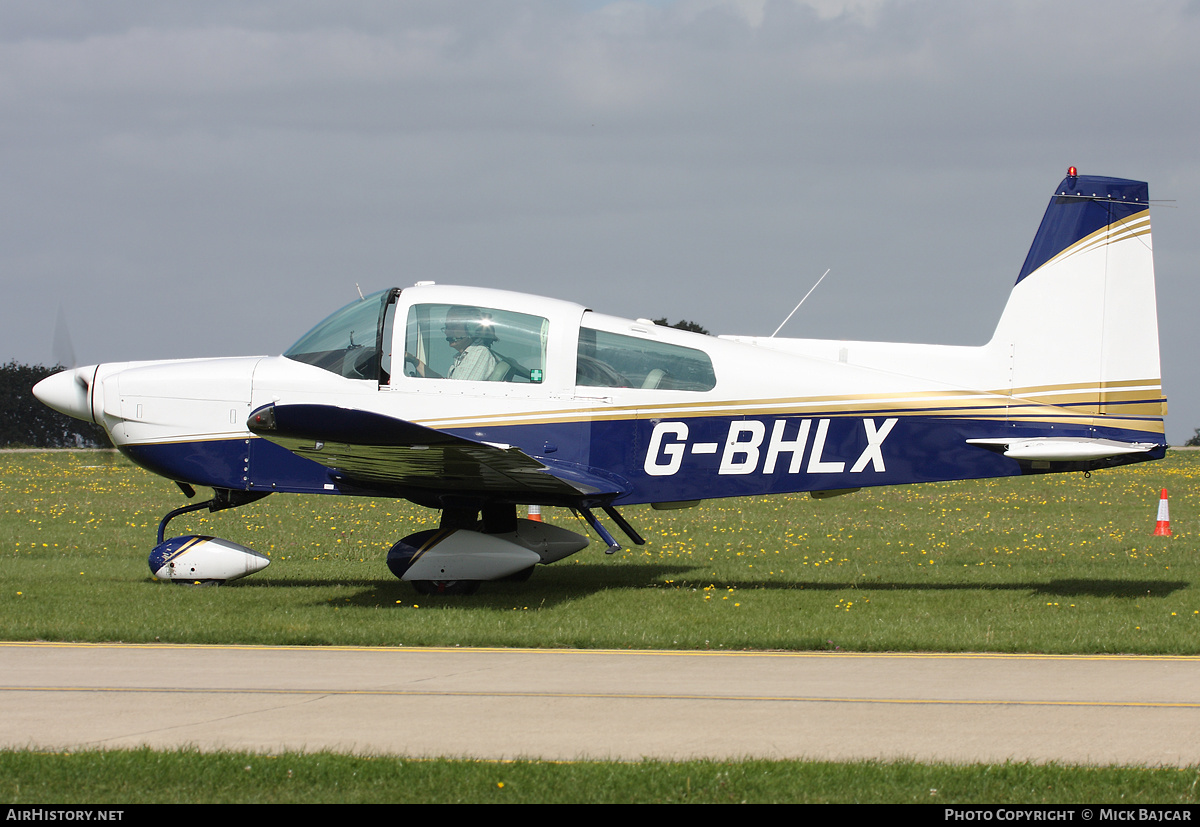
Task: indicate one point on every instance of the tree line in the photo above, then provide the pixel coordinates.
(683, 324)
(27, 423)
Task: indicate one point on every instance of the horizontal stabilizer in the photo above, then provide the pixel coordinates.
(1064, 449)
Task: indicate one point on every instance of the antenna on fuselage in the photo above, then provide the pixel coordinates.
(797, 307)
(361, 297)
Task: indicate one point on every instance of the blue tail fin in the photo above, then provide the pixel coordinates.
(1083, 205)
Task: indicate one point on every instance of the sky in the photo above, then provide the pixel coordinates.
(212, 179)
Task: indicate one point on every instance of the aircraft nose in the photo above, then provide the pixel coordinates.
(68, 392)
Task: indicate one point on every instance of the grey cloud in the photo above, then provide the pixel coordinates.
(196, 179)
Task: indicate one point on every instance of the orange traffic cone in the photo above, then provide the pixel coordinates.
(1163, 529)
(535, 514)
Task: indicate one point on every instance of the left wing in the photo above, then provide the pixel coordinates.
(378, 451)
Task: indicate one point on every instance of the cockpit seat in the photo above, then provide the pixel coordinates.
(502, 372)
(654, 379)
(507, 369)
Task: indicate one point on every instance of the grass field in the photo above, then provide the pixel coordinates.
(184, 777)
(1058, 563)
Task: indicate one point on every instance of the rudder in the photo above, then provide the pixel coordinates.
(1081, 326)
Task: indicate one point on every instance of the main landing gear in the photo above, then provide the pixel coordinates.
(465, 550)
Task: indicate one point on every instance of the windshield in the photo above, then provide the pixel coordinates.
(346, 343)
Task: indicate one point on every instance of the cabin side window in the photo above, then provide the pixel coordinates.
(612, 360)
(483, 344)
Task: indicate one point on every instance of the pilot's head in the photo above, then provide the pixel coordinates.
(465, 325)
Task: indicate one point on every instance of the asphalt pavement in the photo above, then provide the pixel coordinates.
(577, 704)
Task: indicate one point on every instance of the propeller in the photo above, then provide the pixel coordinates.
(64, 350)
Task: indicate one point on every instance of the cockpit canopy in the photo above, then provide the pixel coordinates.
(356, 341)
(348, 342)
(477, 334)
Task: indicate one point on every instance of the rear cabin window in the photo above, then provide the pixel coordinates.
(612, 360)
(483, 344)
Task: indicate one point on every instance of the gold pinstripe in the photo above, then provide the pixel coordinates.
(440, 535)
(1134, 226)
(1140, 400)
(184, 548)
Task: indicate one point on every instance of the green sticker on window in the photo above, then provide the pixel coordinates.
(535, 375)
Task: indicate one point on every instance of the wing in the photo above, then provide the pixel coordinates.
(378, 451)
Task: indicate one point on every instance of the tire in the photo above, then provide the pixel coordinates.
(518, 577)
(445, 587)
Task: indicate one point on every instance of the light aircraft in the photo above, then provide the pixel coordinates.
(474, 401)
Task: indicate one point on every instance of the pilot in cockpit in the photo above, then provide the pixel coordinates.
(468, 332)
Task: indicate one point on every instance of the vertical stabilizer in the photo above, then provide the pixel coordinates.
(1080, 329)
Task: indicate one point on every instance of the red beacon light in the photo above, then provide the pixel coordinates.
(1072, 172)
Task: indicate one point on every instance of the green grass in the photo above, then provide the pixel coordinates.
(146, 776)
(1058, 563)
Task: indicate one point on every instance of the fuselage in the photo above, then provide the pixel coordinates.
(678, 416)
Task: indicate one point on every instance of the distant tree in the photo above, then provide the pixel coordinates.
(683, 325)
(1194, 442)
(26, 422)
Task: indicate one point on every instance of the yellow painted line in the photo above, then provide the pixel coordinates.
(636, 696)
(677, 653)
